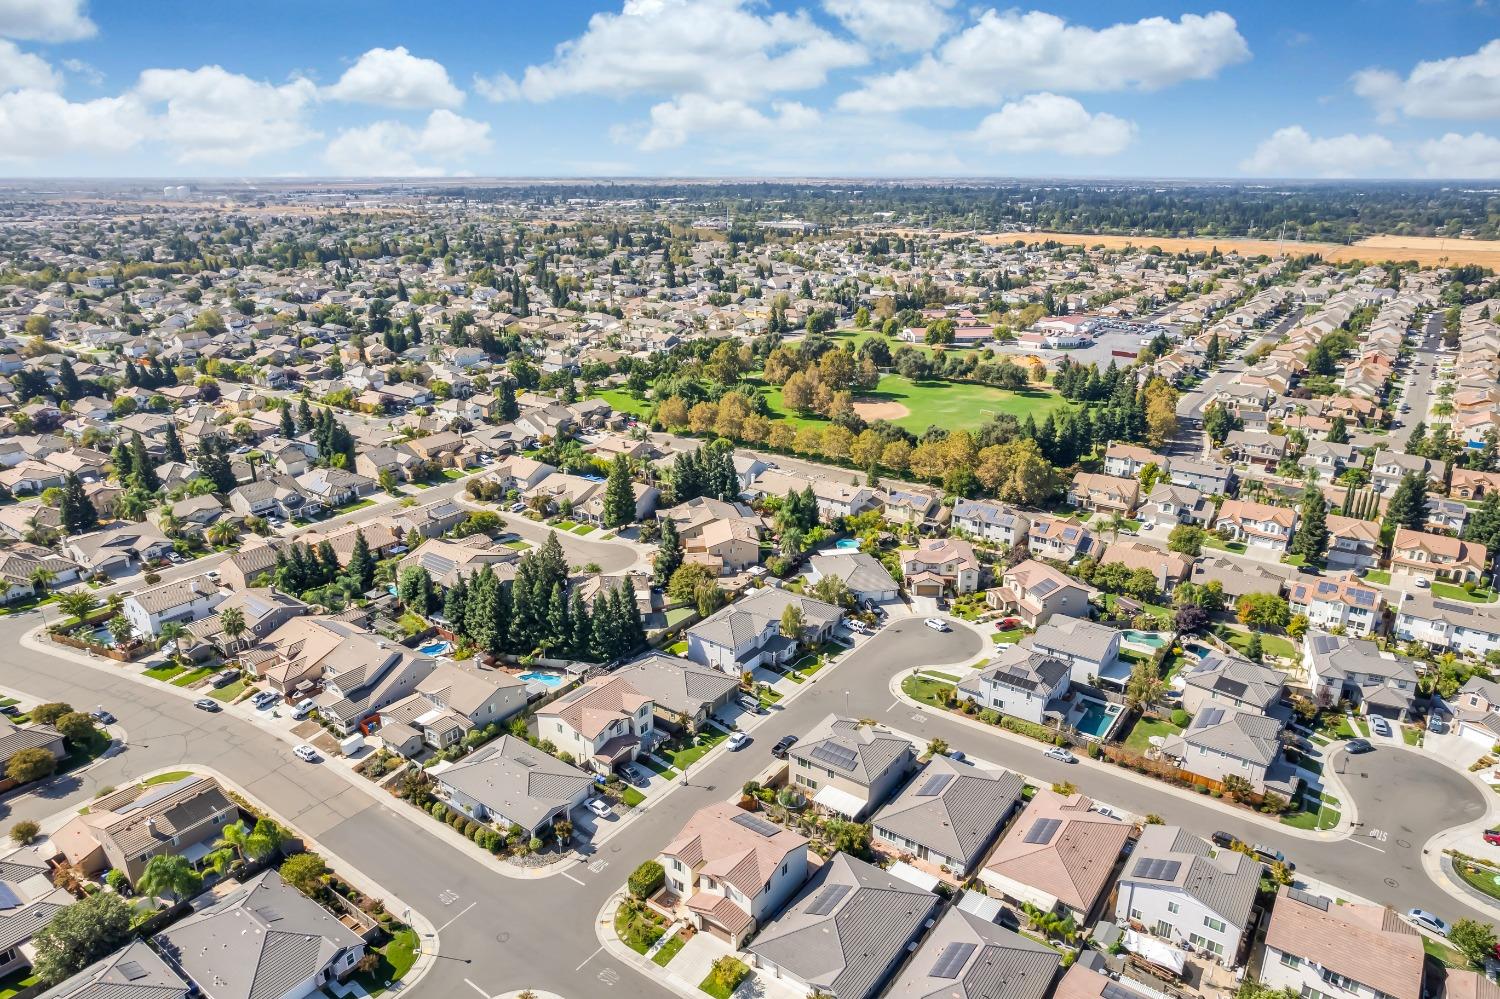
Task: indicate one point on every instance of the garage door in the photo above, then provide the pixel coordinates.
(718, 931)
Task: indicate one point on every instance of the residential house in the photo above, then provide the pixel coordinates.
(1019, 681)
(867, 579)
(1211, 478)
(747, 633)
(1356, 950)
(1059, 540)
(603, 723)
(680, 689)
(948, 814)
(34, 900)
(447, 562)
(1035, 592)
(19, 564)
(1445, 516)
(846, 932)
(1459, 626)
(334, 487)
(14, 738)
(732, 870)
(912, 504)
(1104, 494)
(1256, 524)
(511, 783)
(124, 829)
(449, 703)
(991, 520)
(1168, 506)
(263, 938)
(1167, 568)
(1337, 602)
(1126, 461)
(1228, 681)
(135, 971)
(263, 609)
(941, 565)
(1092, 651)
(1251, 447)
(365, 674)
(1329, 460)
(1476, 707)
(118, 548)
(1179, 888)
(1352, 543)
(1225, 742)
(1360, 672)
(275, 497)
(1059, 856)
(1088, 978)
(1389, 467)
(969, 957)
(726, 547)
(848, 767)
(181, 602)
(1437, 557)
(1470, 484)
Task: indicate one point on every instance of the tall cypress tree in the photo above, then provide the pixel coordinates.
(174, 445)
(1311, 539)
(288, 428)
(76, 509)
(619, 494)
(1408, 505)
(142, 468)
(668, 553)
(582, 625)
(361, 564)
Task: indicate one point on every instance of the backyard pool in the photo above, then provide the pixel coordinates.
(436, 648)
(1097, 718)
(1149, 639)
(847, 544)
(1201, 651)
(102, 636)
(545, 679)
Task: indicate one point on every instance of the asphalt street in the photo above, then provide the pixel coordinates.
(499, 933)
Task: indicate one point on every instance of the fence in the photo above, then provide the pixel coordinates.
(1163, 770)
(129, 654)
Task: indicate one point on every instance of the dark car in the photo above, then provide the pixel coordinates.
(1357, 746)
(225, 678)
(100, 715)
(204, 704)
(1223, 839)
(783, 744)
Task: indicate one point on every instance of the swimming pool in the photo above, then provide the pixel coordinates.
(1097, 719)
(1145, 638)
(545, 679)
(1201, 651)
(102, 636)
(847, 544)
(436, 648)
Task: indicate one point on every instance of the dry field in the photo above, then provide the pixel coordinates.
(869, 409)
(1428, 251)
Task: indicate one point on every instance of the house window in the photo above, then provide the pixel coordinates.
(1291, 960)
(1217, 925)
(1163, 929)
(1136, 915)
(1337, 980)
(1173, 907)
(1203, 943)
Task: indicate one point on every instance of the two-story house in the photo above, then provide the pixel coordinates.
(1225, 741)
(1476, 707)
(1019, 681)
(1328, 460)
(448, 704)
(1437, 557)
(1059, 855)
(731, 870)
(124, 829)
(1251, 447)
(1168, 505)
(1360, 672)
(1448, 625)
(1092, 651)
(991, 520)
(849, 767)
(941, 565)
(603, 723)
(1209, 477)
(1388, 468)
(1353, 543)
(1125, 461)
(1337, 602)
(1257, 524)
(948, 814)
(1353, 950)
(510, 782)
(365, 674)
(1229, 681)
(1179, 888)
(181, 601)
(747, 633)
(1035, 592)
(1104, 494)
(1056, 539)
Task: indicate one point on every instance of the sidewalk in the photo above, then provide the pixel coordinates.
(1437, 865)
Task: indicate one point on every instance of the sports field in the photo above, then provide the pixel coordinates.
(950, 405)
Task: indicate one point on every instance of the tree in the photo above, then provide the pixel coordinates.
(1262, 610)
(304, 872)
(78, 603)
(1237, 787)
(1144, 685)
(232, 620)
(1474, 939)
(80, 934)
(1253, 650)
(1408, 505)
(1311, 539)
(172, 633)
(41, 578)
(619, 494)
(258, 843)
(76, 727)
(792, 622)
(76, 509)
(47, 714)
(25, 832)
(28, 765)
(1338, 431)
(668, 552)
(361, 567)
(1297, 626)
(170, 875)
(1186, 539)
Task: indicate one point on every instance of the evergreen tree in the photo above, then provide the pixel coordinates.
(582, 626)
(120, 458)
(619, 494)
(67, 381)
(288, 428)
(1253, 650)
(329, 562)
(142, 468)
(213, 463)
(361, 564)
(76, 509)
(668, 553)
(479, 610)
(1311, 539)
(1408, 506)
(304, 417)
(174, 449)
(453, 607)
(1338, 431)
(1214, 353)
(509, 409)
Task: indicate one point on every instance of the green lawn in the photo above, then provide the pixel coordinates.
(1271, 645)
(1314, 814)
(678, 648)
(806, 667)
(656, 768)
(167, 778)
(1411, 735)
(705, 739)
(952, 405)
(621, 401)
(1481, 595)
(192, 676)
(397, 956)
(518, 545)
(1481, 879)
(1145, 728)
(927, 691)
(16, 981)
(669, 950)
(677, 615)
(454, 474)
(1443, 953)
(631, 796)
(229, 693)
(166, 672)
(1009, 637)
(351, 507)
(584, 529)
(1212, 541)
(1378, 576)
(767, 696)
(948, 677)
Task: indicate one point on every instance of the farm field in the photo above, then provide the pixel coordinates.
(1428, 251)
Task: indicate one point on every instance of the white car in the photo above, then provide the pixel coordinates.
(1060, 754)
(936, 624)
(599, 808)
(738, 741)
(1421, 583)
(306, 753)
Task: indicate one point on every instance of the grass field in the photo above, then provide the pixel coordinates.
(229, 693)
(165, 672)
(1481, 595)
(192, 676)
(396, 958)
(621, 401)
(1144, 728)
(1426, 250)
(167, 778)
(925, 690)
(703, 741)
(951, 405)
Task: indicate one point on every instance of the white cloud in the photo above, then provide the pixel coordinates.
(1010, 53)
(394, 149)
(46, 20)
(672, 122)
(908, 25)
(213, 115)
(715, 47)
(394, 78)
(1474, 156)
(497, 88)
(38, 124)
(1050, 123)
(1460, 87)
(1292, 152)
(20, 70)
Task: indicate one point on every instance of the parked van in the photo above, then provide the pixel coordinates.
(303, 709)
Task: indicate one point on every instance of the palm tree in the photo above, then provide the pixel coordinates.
(1115, 524)
(252, 844)
(232, 620)
(173, 632)
(170, 875)
(79, 603)
(41, 578)
(792, 542)
(222, 533)
(120, 628)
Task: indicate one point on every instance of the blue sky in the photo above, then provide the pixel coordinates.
(1317, 88)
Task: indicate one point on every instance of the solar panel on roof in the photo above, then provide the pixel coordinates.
(835, 755)
(1042, 831)
(1307, 898)
(828, 897)
(952, 960)
(1113, 991)
(756, 824)
(132, 971)
(934, 785)
(1045, 587)
(1211, 716)
(269, 914)
(8, 897)
(1234, 688)
(1156, 869)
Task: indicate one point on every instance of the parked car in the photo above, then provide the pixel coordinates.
(1060, 754)
(224, 678)
(956, 755)
(1492, 837)
(1437, 726)
(783, 744)
(635, 775)
(102, 716)
(1421, 583)
(213, 575)
(936, 624)
(206, 704)
(1357, 746)
(738, 741)
(303, 709)
(1269, 856)
(306, 753)
(1222, 839)
(1428, 921)
(1380, 726)
(599, 808)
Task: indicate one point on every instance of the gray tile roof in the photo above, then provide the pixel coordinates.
(135, 971)
(1240, 734)
(510, 778)
(849, 944)
(869, 751)
(863, 573)
(957, 817)
(743, 620)
(1224, 881)
(1230, 676)
(966, 957)
(677, 685)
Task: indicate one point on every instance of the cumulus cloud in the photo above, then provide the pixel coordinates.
(1460, 87)
(210, 115)
(1009, 53)
(20, 70)
(721, 48)
(1051, 123)
(38, 123)
(46, 20)
(394, 149)
(394, 78)
(1474, 156)
(1292, 152)
(672, 122)
(497, 88)
(908, 25)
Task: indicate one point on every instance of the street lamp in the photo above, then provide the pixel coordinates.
(846, 704)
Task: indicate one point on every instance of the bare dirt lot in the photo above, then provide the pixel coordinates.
(870, 410)
(1428, 251)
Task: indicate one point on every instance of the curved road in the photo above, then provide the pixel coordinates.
(501, 933)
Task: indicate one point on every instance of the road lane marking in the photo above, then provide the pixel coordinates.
(590, 957)
(478, 989)
(455, 919)
(571, 878)
(1358, 842)
(894, 705)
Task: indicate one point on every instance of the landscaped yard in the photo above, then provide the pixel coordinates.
(17, 981)
(705, 739)
(1213, 541)
(1481, 595)
(1378, 576)
(1315, 814)
(621, 401)
(927, 691)
(1271, 645)
(583, 529)
(1481, 879)
(359, 504)
(655, 767)
(669, 950)
(167, 778)
(1146, 727)
(631, 796)
(678, 648)
(165, 672)
(565, 525)
(952, 405)
(677, 615)
(518, 544)
(229, 693)
(1447, 955)
(1009, 636)
(192, 676)
(805, 667)
(397, 955)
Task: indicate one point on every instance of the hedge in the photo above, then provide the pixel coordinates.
(646, 879)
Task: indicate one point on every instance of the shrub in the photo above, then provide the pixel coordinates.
(646, 879)
(152, 578)
(1094, 750)
(470, 828)
(30, 764)
(118, 880)
(727, 973)
(24, 832)
(1181, 718)
(439, 810)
